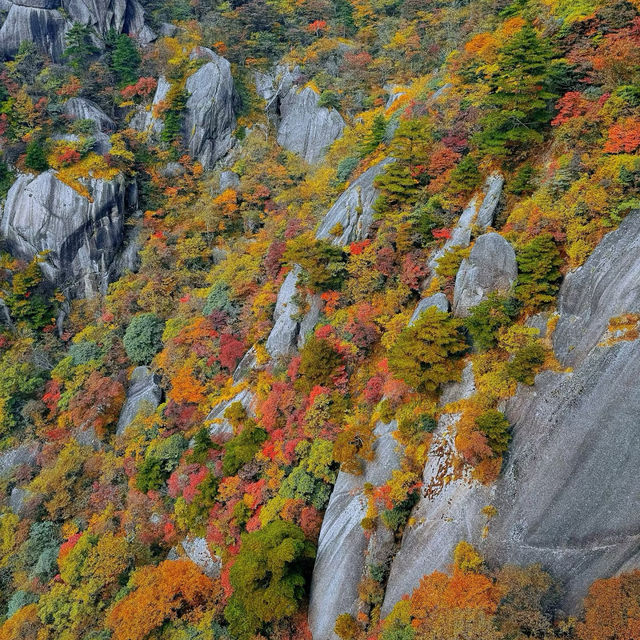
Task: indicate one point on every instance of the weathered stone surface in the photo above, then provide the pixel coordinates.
(144, 392)
(220, 426)
(438, 300)
(305, 128)
(83, 109)
(308, 323)
(604, 287)
(567, 497)
(284, 335)
(353, 210)
(340, 558)
(491, 266)
(272, 87)
(197, 550)
(209, 119)
(44, 27)
(11, 459)
(102, 15)
(228, 180)
(82, 236)
(38, 4)
(447, 512)
(491, 200)
(479, 214)
(144, 119)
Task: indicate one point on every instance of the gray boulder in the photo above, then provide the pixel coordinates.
(438, 300)
(284, 335)
(353, 210)
(228, 180)
(491, 266)
(305, 128)
(272, 87)
(44, 27)
(478, 213)
(124, 16)
(84, 109)
(197, 550)
(144, 393)
(340, 559)
(209, 119)
(82, 235)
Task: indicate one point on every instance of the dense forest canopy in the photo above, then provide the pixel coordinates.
(255, 252)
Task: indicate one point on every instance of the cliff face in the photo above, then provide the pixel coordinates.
(566, 495)
(45, 23)
(82, 236)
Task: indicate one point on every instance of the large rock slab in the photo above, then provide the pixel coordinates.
(353, 210)
(284, 335)
(605, 286)
(44, 27)
(81, 235)
(144, 392)
(491, 266)
(448, 509)
(83, 109)
(340, 559)
(209, 118)
(45, 23)
(305, 128)
(567, 497)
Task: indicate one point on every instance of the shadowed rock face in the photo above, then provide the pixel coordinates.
(40, 22)
(82, 236)
(567, 497)
(83, 109)
(284, 335)
(340, 558)
(46, 28)
(209, 118)
(305, 128)
(491, 266)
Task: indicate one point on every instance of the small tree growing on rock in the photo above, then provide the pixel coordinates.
(427, 353)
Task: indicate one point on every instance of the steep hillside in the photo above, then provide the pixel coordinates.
(319, 319)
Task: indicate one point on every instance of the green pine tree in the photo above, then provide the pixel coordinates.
(125, 60)
(80, 46)
(518, 105)
(539, 276)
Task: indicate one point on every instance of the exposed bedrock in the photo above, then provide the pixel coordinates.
(568, 492)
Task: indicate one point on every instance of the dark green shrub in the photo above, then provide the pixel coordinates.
(143, 337)
(268, 577)
(496, 427)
